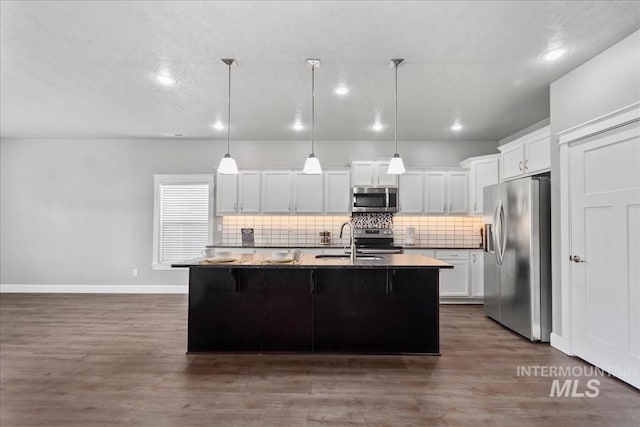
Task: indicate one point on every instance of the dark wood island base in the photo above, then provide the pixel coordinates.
(315, 306)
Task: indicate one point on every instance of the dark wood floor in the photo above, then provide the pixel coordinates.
(119, 359)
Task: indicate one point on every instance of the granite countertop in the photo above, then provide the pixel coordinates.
(399, 261)
(333, 246)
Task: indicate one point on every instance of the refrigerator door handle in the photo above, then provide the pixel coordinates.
(503, 232)
(497, 231)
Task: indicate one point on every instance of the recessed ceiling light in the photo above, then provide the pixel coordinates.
(297, 125)
(555, 53)
(456, 126)
(173, 135)
(165, 79)
(342, 90)
(218, 125)
(378, 127)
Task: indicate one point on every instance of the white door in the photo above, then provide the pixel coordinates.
(605, 238)
(537, 156)
(307, 193)
(337, 192)
(276, 192)
(513, 162)
(458, 192)
(249, 194)
(382, 178)
(226, 194)
(363, 172)
(486, 173)
(435, 192)
(411, 192)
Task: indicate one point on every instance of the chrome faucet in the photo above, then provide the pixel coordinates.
(352, 240)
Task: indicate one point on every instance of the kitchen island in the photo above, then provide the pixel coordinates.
(386, 304)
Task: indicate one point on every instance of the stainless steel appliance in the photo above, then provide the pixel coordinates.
(375, 241)
(375, 199)
(517, 258)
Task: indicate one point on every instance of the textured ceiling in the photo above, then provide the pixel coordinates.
(85, 69)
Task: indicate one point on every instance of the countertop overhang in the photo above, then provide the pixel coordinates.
(387, 261)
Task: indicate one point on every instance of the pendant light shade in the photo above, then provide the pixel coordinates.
(396, 165)
(228, 165)
(312, 164)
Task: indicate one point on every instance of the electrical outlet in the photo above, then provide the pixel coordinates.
(135, 272)
(219, 227)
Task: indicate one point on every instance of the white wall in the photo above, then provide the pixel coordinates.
(608, 82)
(81, 211)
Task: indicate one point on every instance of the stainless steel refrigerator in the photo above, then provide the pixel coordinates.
(517, 257)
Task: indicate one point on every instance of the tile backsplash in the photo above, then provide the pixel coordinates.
(430, 231)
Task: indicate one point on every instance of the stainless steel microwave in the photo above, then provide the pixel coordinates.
(375, 199)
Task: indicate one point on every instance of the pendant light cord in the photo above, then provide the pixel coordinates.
(396, 100)
(229, 110)
(313, 105)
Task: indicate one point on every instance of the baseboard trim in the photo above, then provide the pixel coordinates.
(92, 289)
(560, 343)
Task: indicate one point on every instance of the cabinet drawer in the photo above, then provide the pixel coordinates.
(452, 254)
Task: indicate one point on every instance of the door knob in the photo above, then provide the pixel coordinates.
(576, 258)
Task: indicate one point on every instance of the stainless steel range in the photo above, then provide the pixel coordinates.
(375, 241)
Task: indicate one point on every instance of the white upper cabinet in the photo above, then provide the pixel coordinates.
(337, 192)
(436, 192)
(307, 193)
(528, 155)
(372, 173)
(226, 194)
(249, 192)
(458, 192)
(483, 172)
(446, 192)
(411, 192)
(276, 192)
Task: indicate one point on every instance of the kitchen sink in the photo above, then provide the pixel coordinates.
(362, 257)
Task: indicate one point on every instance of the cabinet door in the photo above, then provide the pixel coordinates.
(337, 192)
(513, 162)
(477, 273)
(363, 172)
(455, 282)
(226, 194)
(307, 193)
(458, 192)
(249, 198)
(485, 173)
(435, 192)
(411, 192)
(537, 156)
(382, 178)
(276, 192)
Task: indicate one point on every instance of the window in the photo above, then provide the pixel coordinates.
(183, 217)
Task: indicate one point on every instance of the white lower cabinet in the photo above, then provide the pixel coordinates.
(454, 282)
(476, 265)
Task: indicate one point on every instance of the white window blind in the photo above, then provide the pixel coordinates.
(184, 221)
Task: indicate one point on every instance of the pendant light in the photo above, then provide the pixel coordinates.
(227, 165)
(312, 164)
(396, 165)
